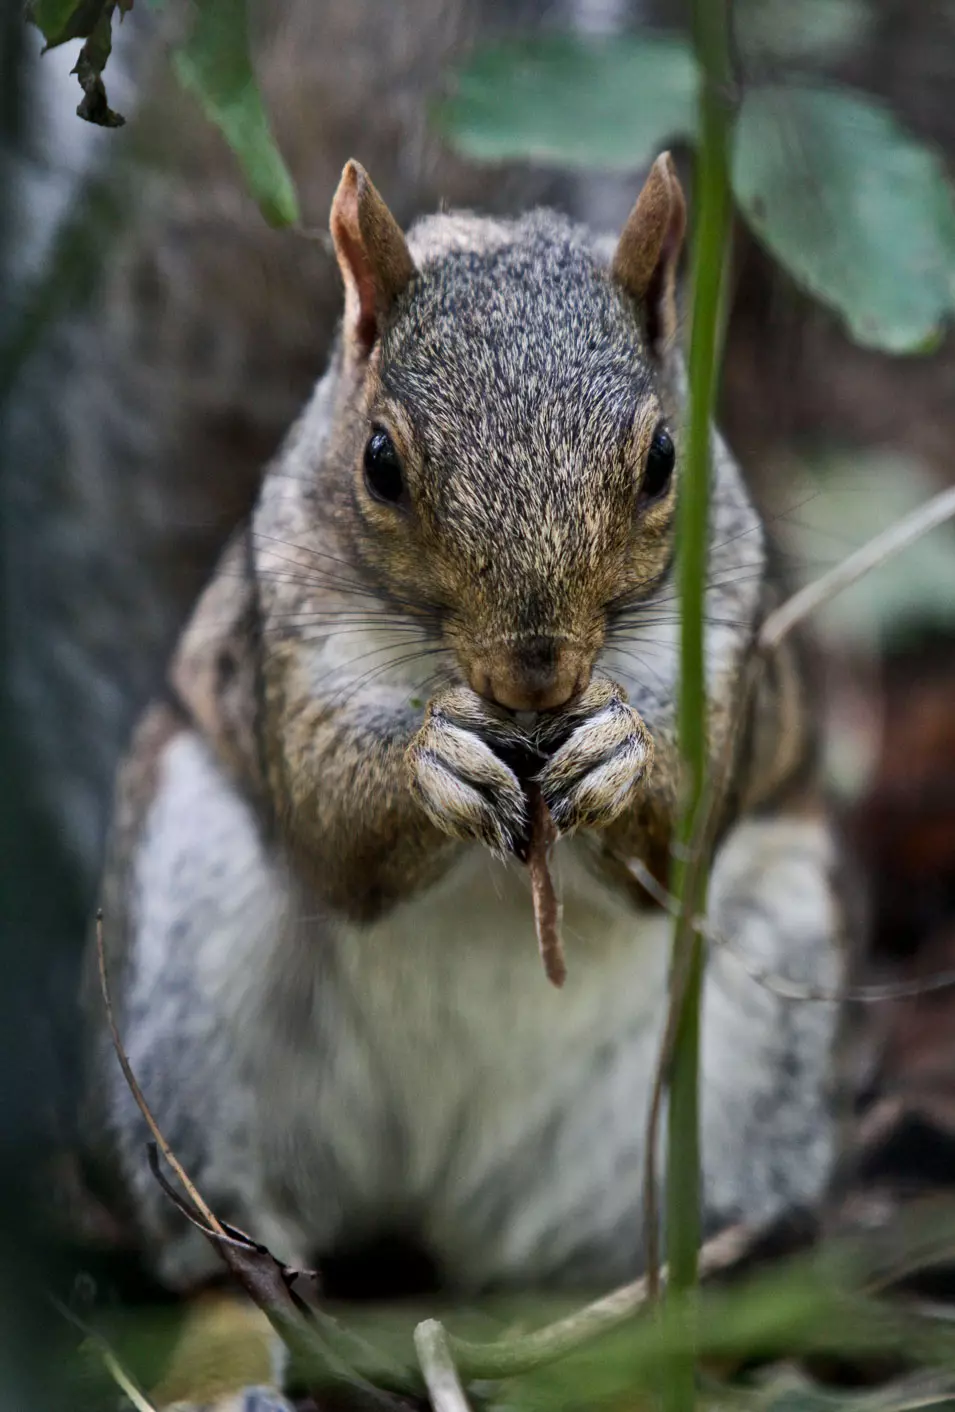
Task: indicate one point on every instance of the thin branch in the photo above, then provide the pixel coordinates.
(883, 547)
(437, 1364)
(207, 1214)
(783, 986)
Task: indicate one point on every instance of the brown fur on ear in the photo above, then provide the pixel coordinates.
(649, 248)
(373, 256)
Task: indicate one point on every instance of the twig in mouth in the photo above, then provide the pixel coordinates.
(546, 906)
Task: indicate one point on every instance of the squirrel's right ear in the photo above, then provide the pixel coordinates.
(373, 257)
(649, 248)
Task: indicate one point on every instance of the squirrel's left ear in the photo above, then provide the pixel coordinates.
(649, 248)
(373, 257)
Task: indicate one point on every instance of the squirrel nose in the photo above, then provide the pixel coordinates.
(536, 674)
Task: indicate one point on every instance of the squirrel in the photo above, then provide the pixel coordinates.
(457, 579)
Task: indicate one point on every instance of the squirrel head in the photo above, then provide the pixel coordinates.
(504, 432)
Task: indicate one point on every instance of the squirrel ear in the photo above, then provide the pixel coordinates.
(373, 256)
(649, 247)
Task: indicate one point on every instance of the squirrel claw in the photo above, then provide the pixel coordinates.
(461, 783)
(591, 778)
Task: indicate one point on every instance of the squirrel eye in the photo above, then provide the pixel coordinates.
(659, 468)
(383, 474)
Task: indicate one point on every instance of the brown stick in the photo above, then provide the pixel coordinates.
(546, 906)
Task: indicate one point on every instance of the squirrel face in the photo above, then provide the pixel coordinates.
(511, 461)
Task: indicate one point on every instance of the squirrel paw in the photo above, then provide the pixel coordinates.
(591, 777)
(458, 775)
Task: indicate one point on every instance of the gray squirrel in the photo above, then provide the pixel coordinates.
(135, 435)
(458, 578)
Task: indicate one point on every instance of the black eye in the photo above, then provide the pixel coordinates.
(383, 474)
(659, 467)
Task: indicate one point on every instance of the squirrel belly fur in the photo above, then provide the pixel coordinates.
(458, 578)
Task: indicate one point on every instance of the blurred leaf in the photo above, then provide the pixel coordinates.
(858, 212)
(573, 102)
(216, 66)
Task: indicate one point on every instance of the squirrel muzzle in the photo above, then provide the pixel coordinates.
(533, 674)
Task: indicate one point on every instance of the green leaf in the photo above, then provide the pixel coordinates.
(216, 66)
(572, 102)
(858, 212)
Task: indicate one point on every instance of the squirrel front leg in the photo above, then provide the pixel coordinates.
(603, 753)
(377, 802)
(459, 777)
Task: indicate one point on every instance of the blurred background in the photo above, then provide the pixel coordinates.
(157, 337)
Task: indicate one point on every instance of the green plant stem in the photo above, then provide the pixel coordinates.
(712, 207)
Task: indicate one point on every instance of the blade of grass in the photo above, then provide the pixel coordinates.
(711, 197)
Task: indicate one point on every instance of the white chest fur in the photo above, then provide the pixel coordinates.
(450, 1071)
